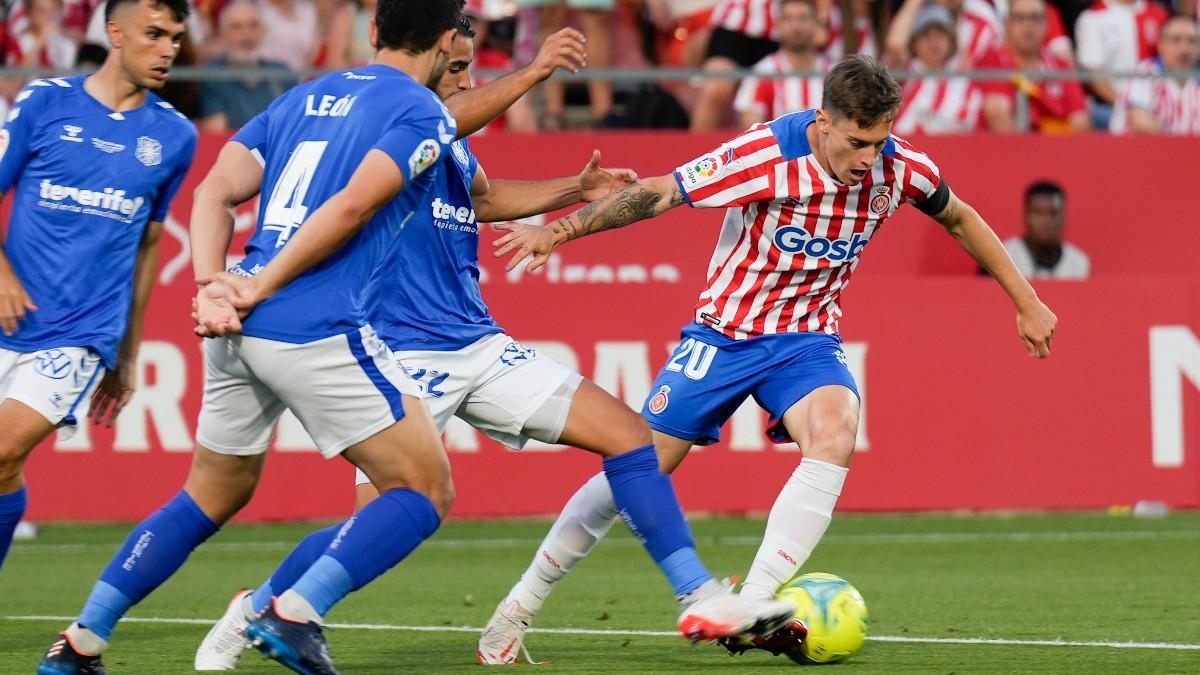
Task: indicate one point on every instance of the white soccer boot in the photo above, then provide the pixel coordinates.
(224, 644)
(718, 612)
(503, 639)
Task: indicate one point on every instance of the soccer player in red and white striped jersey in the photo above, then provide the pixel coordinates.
(1169, 104)
(765, 97)
(805, 194)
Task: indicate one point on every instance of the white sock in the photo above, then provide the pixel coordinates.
(85, 641)
(293, 606)
(584, 521)
(798, 520)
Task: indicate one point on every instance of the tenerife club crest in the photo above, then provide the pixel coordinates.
(149, 151)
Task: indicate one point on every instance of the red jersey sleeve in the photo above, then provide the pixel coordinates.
(740, 172)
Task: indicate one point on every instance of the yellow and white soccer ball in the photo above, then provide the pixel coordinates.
(834, 613)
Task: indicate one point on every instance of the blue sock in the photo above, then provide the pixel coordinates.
(367, 545)
(294, 566)
(648, 505)
(154, 550)
(12, 507)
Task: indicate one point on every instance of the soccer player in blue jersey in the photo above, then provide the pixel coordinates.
(427, 305)
(95, 162)
(342, 163)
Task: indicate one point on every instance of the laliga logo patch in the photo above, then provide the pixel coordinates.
(149, 151)
(424, 157)
(660, 400)
(708, 166)
(882, 200)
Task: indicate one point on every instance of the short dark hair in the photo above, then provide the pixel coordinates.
(180, 9)
(415, 25)
(465, 29)
(861, 89)
(1044, 187)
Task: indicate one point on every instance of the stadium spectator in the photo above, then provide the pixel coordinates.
(335, 31)
(42, 42)
(741, 36)
(1057, 38)
(229, 104)
(595, 17)
(1171, 103)
(1041, 251)
(762, 98)
(74, 17)
(863, 39)
(1115, 35)
(361, 49)
(974, 26)
(933, 105)
(1054, 106)
(519, 117)
(291, 32)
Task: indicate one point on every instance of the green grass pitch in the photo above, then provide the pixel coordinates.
(947, 594)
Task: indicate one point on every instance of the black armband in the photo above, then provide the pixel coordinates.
(936, 203)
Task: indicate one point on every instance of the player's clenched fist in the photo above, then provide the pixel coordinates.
(1035, 325)
(14, 302)
(564, 49)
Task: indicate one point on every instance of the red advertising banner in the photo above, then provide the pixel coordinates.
(956, 415)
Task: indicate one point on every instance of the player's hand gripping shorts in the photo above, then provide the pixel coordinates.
(57, 383)
(343, 389)
(710, 375)
(496, 385)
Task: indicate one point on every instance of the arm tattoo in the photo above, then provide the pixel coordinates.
(617, 210)
(949, 216)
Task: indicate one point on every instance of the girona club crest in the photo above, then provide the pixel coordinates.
(881, 200)
(660, 400)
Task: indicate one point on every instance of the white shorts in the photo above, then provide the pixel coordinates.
(496, 385)
(343, 389)
(57, 383)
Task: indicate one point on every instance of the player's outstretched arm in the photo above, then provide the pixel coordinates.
(476, 108)
(1035, 321)
(645, 199)
(501, 200)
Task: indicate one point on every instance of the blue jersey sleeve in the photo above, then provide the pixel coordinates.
(419, 138)
(17, 136)
(254, 134)
(163, 203)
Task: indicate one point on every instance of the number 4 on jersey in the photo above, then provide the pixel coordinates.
(286, 209)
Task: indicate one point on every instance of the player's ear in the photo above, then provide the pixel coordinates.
(446, 42)
(822, 121)
(373, 34)
(115, 38)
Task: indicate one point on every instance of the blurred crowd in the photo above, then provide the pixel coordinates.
(774, 38)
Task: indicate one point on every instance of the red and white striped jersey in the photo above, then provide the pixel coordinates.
(792, 234)
(979, 32)
(937, 106)
(752, 18)
(1117, 36)
(1174, 105)
(772, 97)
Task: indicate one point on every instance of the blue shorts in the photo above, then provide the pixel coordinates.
(710, 375)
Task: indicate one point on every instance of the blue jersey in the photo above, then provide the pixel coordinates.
(311, 140)
(88, 179)
(426, 294)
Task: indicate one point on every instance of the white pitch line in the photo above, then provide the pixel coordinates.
(734, 540)
(667, 633)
